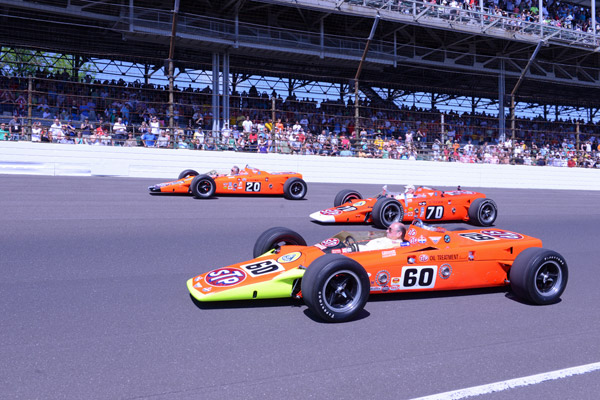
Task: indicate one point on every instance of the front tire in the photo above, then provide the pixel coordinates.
(345, 196)
(539, 276)
(294, 189)
(187, 172)
(274, 238)
(335, 287)
(386, 211)
(203, 187)
(483, 212)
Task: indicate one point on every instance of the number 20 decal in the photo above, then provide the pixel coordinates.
(418, 277)
(435, 212)
(252, 186)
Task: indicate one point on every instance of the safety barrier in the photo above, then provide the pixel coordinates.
(82, 160)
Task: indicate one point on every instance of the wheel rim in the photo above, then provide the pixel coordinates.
(296, 189)
(391, 213)
(548, 278)
(487, 213)
(342, 291)
(204, 187)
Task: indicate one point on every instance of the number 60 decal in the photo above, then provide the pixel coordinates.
(418, 277)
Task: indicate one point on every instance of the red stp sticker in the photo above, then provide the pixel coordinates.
(502, 234)
(331, 242)
(225, 277)
(331, 211)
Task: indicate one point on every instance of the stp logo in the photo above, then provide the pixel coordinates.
(331, 212)
(331, 242)
(225, 277)
(423, 258)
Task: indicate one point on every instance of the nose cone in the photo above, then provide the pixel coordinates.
(317, 216)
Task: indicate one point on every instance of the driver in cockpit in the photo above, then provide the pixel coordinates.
(394, 238)
(234, 170)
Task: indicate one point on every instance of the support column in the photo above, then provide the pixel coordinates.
(29, 101)
(501, 114)
(225, 103)
(215, 91)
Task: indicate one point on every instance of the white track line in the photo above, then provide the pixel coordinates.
(512, 383)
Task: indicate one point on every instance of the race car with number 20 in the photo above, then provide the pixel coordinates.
(336, 276)
(424, 203)
(246, 181)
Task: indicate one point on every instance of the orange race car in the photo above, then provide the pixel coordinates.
(424, 203)
(336, 276)
(246, 181)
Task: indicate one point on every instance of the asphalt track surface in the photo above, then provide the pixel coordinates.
(94, 303)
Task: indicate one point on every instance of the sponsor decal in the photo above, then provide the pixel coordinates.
(395, 281)
(435, 239)
(341, 251)
(388, 253)
(422, 211)
(198, 278)
(206, 289)
(270, 186)
(423, 258)
(385, 289)
(290, 257)
(404, 244)
(502, 234)
(422, 239)
(445, 271)
(410, 208)
(411, 232)
(266, 179)
(478, 236)
(409, 214)
(346, 208)
(197, 285)
(331, 211)
(423, 203)
(383, 277)
(225, 277)
(445, 257)
(331, 242)
(453, 210)
(360, 203)
(320, 246)
(447, 238)
(376, 288)
(394, 288)
(449, 202)
(413, 241)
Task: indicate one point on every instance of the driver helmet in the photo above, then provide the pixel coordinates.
(409, 189)
(235, 170)
(396, 231)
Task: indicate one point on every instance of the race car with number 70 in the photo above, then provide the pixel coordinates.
(336, 276)
(424, 203)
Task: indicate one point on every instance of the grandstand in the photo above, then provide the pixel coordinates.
(445, 71)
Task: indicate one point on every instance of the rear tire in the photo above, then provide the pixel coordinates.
(345, 196)
(294, 189)
(275, 237)
(539, 276)
(335, 287)
(187, 172)
(203, 187)
(483, 212)
(386, 211)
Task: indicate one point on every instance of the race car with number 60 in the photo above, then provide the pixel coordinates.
(424, 203)
(336, 276)
(246, 181)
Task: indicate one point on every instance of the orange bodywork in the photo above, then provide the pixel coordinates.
(247, 181)
(426, 204)
(430, 259)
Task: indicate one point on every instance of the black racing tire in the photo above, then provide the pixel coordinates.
(385, 211)
(539, 276)
(335, 287)
(275, 237)
(203, 187)
(345, 196)
(483, 212)
(294, 189)
(187, 172)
